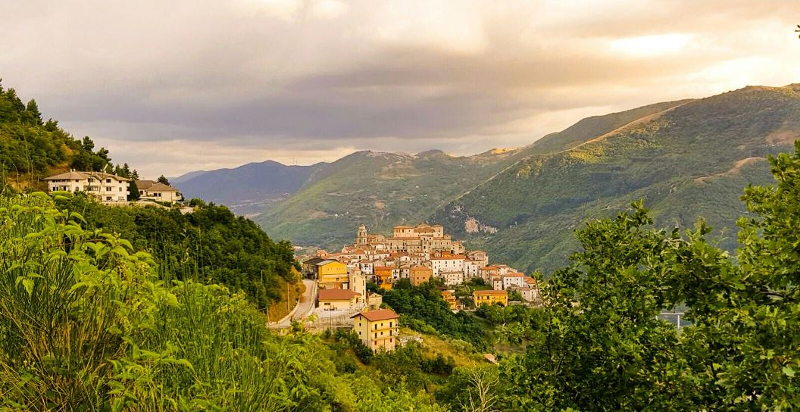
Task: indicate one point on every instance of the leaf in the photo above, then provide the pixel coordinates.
(28, 285)
(788, 371)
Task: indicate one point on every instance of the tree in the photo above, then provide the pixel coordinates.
(602, 346)
(134, 194)
(163, 179)
(33, 111)
(87, 144)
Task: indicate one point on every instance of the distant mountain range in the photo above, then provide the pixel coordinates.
(246, 189)
(687, 159)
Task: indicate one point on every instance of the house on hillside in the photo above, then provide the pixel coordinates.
(337, 299)
(378, 329)
(490, 297)
(156, 191)
(105, 187)
(420, 274)
(332, 274)
(450, 297)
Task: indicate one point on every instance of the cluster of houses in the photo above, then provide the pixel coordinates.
(417, 253)
(111, 189)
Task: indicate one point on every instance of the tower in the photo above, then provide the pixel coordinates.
(361, 235)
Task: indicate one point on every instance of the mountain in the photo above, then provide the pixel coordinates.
(686, 159)
(186, 176)
(249, 188)
(689, 161)
(379, 189)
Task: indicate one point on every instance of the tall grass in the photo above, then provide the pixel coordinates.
(85, 324)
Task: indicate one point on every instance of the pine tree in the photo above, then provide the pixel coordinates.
(33, 110)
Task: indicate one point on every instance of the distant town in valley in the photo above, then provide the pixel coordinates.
(347, 281)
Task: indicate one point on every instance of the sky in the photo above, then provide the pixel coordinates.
(181, 85)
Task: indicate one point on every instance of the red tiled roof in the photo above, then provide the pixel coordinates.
(374, 315)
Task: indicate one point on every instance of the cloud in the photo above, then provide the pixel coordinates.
(181, 85)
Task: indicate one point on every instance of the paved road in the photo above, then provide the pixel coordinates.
(309, 299)
(304, 308)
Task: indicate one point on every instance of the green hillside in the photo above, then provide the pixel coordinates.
(378, 189)
(686, 158)
(688, 162)
(31, 148)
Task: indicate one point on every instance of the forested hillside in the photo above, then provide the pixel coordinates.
(210, 245)
(686, 159)
(688, 162)
(378, 189)
(31, 148)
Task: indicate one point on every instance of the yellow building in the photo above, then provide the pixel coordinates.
(420, 274)
(384, 276)
(490, 297)
(377, 328)
(332, 274)
(337, 299)
(450, 298)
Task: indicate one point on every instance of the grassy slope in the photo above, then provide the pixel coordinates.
(686, 163)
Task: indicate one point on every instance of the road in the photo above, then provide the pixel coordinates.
(309, 299)
(303, 308)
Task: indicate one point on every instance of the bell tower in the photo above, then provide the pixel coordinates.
(361, 235)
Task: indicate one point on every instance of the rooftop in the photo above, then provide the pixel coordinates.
(375, 315)
(490, 292)
(74, 175)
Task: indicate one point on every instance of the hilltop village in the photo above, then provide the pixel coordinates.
(417, 253)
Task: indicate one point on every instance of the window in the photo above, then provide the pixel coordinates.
(108, 180)
(108, 188)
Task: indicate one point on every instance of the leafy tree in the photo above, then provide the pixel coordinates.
(422, 307)
(164, 180)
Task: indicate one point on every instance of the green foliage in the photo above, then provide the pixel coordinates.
(602, 345)
(210, 245)
(85, 324)
(30, 148)
(423, 309)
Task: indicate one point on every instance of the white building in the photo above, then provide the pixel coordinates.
(152, 190)
(472, 269)
(452, 278)
(105, 187)
(450, 263)
(512, 280)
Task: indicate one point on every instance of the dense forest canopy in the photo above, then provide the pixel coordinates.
(210, 245)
